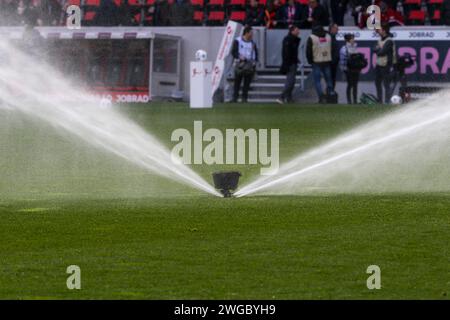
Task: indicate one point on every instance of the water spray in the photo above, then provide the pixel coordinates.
(267, 182)
(39, 91)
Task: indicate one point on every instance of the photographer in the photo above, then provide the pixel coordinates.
(318, 53)
(348, 66)
(386, 59)
(245, 53)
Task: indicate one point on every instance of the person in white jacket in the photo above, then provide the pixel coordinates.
(352, 75)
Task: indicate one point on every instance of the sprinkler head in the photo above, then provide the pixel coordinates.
(226, 182)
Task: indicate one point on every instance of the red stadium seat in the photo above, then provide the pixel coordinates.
(118, 2)
(74, 2)
(237, 3)
(410, 5)
(304, 2)
(199, 16)
(89, 16)
(93, 3)
(238, 16)
(219, 3)
(198, 3)
(436, 17)
(148, 19)
(216, 17)
(416, 17)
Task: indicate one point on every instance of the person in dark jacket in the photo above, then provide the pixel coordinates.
(245, 54)
(338, 9)
(107, 14)
(181, 13)
(8, 9)
(314, 14)
(351, 74)
(161, 13)
(254, 15)
(446, 13)
(289, 14)
(290, 61)
(386, 58)
(333, 30)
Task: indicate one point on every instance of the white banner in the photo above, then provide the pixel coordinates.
(224, 51)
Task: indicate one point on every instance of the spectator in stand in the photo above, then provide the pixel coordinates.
(126, 15)
(21, 14)
(289, 14)
(445, 15)
(358, 8)
(333, 30)
(53, 10)
(271, 14)
(161, 13)
(46, 12)
(8, 10)
(181, 13)
(337, 9)
(34, 12)
(314, 14)
(107, 14)
(255, 15)
(392, 4)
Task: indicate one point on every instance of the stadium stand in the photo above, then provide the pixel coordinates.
(205, 12)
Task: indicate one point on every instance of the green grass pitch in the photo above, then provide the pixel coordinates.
(136, 236)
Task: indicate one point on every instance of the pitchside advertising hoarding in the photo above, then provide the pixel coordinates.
(429, 46)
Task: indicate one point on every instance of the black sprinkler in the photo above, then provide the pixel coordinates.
(226, 182)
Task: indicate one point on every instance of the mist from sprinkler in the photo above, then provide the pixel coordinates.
(404, 151)
(37, 90)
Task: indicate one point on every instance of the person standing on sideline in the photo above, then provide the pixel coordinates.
(386, 58)
(245, 53)
(318, 53)
(289, 54)
(333, 30)
(351, 74)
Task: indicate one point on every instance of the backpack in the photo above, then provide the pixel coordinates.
(332, 97)
(356, 61)
(367, 98)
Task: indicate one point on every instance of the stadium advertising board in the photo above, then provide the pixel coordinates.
(431, 49)
(224, 51)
